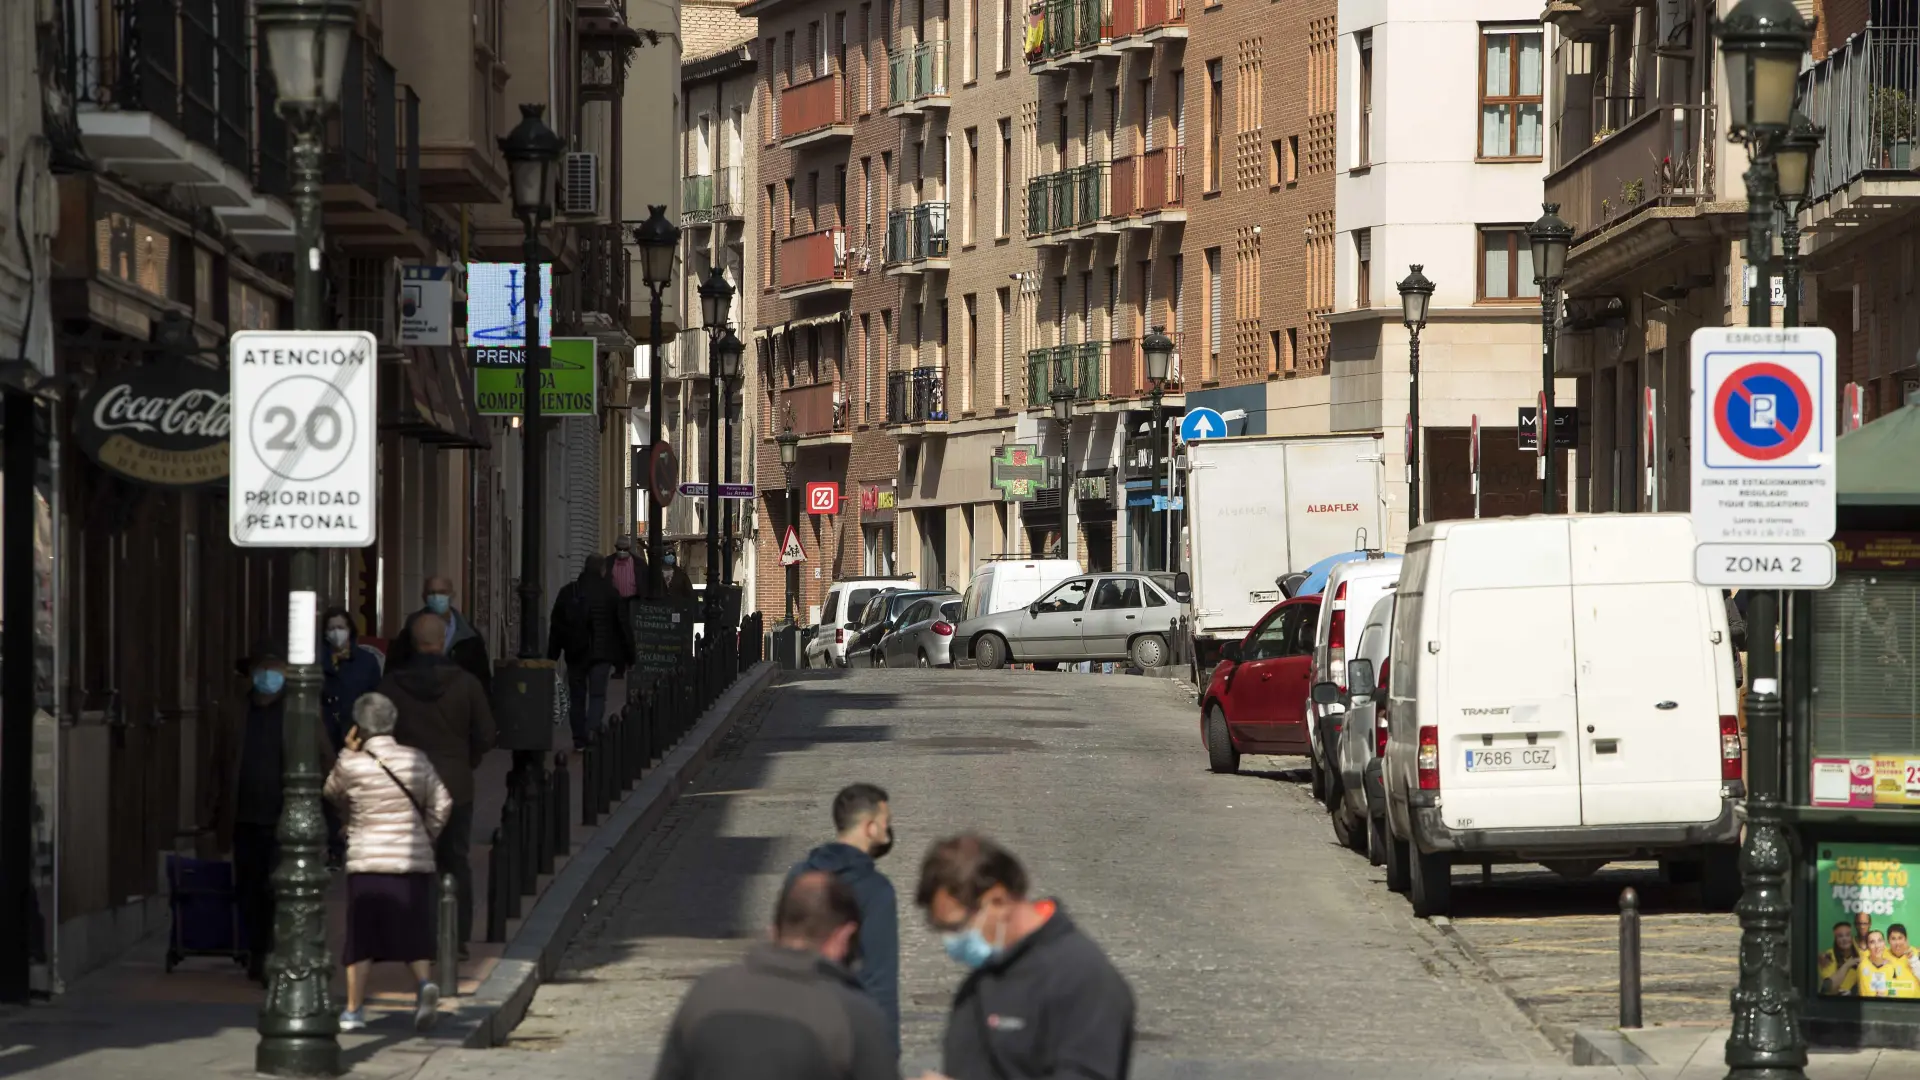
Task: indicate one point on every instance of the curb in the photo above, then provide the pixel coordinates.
(1593, 1046)
(1553, 1032)
(490, 1013)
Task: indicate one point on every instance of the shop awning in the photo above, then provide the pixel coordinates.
(1876, 461)
(430, 396)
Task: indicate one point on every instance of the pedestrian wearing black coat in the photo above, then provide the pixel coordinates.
(463, 645)
(590, 632)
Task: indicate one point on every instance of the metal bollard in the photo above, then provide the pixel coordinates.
(1629, 958)
(590, 764)
(525, 854)
(510, 844)
(498, 874)
(447, 936)
(562, 816)
(543, 813)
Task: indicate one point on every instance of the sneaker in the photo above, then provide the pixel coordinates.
(351, 1020)
(426, 1009)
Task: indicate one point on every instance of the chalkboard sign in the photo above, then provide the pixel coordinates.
(662, 635)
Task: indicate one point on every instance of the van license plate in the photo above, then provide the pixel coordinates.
(1518, 759)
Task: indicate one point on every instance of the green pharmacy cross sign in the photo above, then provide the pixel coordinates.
(568, 383)
(1019, 472)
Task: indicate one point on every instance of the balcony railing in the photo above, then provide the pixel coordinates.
(917, 233)
(919, 72)
(188, 62)
(916, 396)
(814, 105)
(815, 410)
(1079, 368)
(378, 123)
(815, 258)
(1867, 96)
(1069, 199)
(1663, 158)
(603, 270)
(1067, 26)
(696, 200)
(729, 202)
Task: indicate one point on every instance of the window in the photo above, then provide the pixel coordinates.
(866, 58)
(1179, 108)
(770, 258)
(866, 362)
(973, 40)
(1506, 264)
(1006, 176)
(1362, 268)
(1510, 70)
(1215, 115)
(1006, 34)
(1363, 140)
(1146, 116)
(1276, 356)
(1060, 134)
(866, 200)
(1214, 320)
(1004, 298)
(840, 195)
(1269, 639)
(1177, 315)
(973, 185)
(1293, 347)
(1116, 593)
(1071, 596)
(973, 352)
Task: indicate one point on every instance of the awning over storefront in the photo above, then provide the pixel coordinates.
(1876, 461)
(429, 395)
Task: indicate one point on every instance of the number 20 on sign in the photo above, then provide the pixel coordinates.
(303, 444)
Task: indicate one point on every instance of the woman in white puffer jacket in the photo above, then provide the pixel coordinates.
(394, 805)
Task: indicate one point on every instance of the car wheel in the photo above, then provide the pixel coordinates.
(1377, 841)
(1316, 776)
(1149, 651)
(1432, 884)
(1351, 833)
(990, 651)
(1221, 756)
(1720, 886)
(879, 658)
(924, 662)
(1397, 855)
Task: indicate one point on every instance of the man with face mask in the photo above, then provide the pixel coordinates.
(863, 824)
(679, 586)
(463, 644)
(348, 671)
(1040, 999)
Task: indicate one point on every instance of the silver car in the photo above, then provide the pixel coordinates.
(924, 635)
(1119, 617)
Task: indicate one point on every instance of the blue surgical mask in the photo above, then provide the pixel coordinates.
(968, 948)
(439, 603)
(269, 682)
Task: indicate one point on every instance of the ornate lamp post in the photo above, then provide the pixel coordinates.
(307, 42)
(726, 353)
(1063, 415)
(716, 302)
(1794, 162)
(1157, 351)
(789, 455)
(1762, 43)
(1550, 237)
(1416, 292)
(659, 241)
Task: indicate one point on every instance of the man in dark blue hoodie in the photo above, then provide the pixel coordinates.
(864, 822)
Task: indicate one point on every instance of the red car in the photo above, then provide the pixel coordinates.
(1256, 702)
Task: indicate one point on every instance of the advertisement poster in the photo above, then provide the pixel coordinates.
(1863, 908)
(1862, 783)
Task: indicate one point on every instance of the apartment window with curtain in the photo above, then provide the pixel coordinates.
(1510, 93)
(866, 365)
(1215, 305)
(866, 202)
(1362, 268)
(1216, 115)
(1006, 177)
(1363, 139)
(1179, 108)
(1004, 300)
(1506, 265)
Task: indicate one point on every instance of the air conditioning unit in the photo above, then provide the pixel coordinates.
(581, 194)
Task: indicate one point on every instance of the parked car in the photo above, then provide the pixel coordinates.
(881, 616)
(838, 614)
(1351, 591)
(1256, 701)
(1097, 617)
(1361, 734)
(924, 636)
(1008, 584)
(1561, 694)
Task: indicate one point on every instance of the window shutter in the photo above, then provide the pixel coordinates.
(1865, 700)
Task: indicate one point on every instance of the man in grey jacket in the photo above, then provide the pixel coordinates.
(790, 1009)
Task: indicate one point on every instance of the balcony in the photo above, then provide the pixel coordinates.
(729, 201)
(373, 205)
(601, 270)
(917, 79)
(1867, 96)
(815, 111)
(1657, 162)
(165, 95)
(918, 396)
(1149, 189)
(1082, 366)
(815, 411)
(917, 239)
(814, 263)
(696, 201)
(1072, 203)
(1137, 24)
(1127, 374)
(1072, 32)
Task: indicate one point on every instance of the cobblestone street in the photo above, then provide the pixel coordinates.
(1246, 933)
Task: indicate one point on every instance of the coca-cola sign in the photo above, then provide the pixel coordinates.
(164, 423)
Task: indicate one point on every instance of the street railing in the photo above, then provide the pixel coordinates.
(916, 396)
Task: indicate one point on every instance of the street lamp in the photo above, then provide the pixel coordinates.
(658, 240)
(1763, 43)
(727, 352)
(1156, 349)
(1794, 162)
(1550, 238)
(1416, 292)
(1063, 414)
(307, 43)
(789, 454)
(716, 301)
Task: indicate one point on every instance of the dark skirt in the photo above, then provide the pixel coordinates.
(389, 917)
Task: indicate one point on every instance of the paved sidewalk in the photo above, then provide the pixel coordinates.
(132, 1019)
(1699, 1053)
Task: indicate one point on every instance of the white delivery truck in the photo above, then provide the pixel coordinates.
(1262, 506)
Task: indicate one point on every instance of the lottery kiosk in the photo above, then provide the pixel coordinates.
(1851, 656)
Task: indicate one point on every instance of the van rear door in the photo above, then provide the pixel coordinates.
(1506, 708)
(1647, 672)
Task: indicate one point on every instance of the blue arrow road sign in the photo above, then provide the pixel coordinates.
(1202, 423)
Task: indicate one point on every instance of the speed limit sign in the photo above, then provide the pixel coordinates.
(303, 442)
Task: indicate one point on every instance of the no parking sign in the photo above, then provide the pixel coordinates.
(1764, 473)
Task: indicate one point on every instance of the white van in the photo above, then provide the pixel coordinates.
(1006, 582)
(1561, 692)
(1353, 588)
(840, 612)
